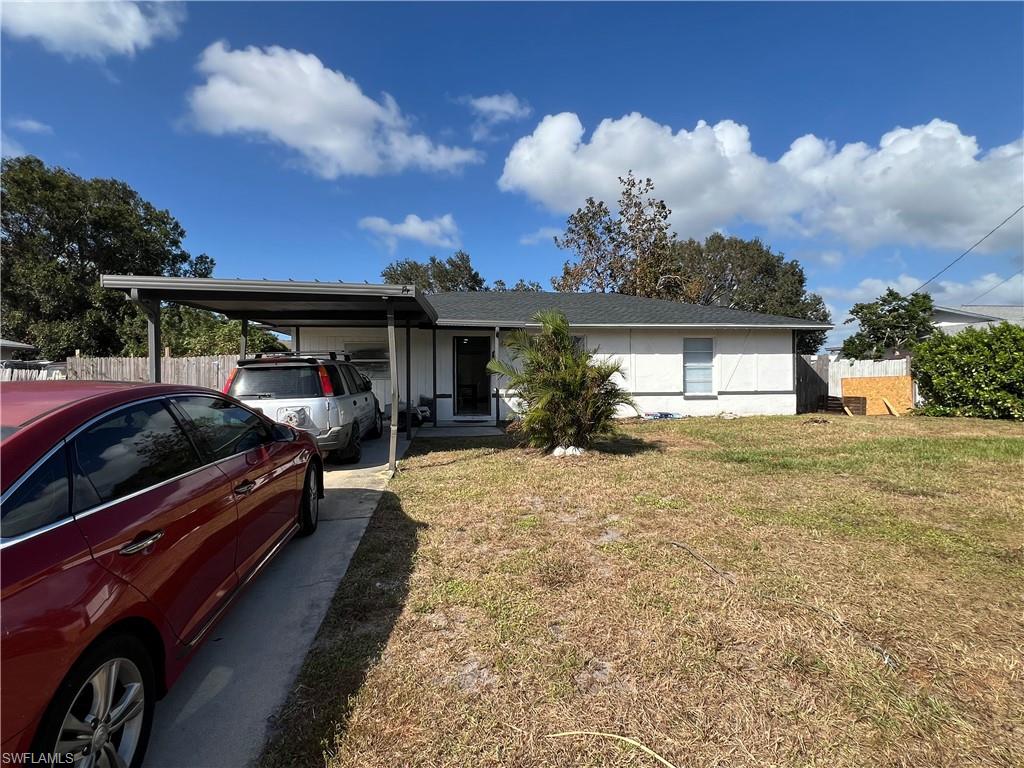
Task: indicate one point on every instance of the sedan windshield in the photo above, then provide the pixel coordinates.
(276, 382)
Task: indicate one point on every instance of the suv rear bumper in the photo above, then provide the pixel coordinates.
(333, 439)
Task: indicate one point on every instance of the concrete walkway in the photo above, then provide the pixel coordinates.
(218, 712)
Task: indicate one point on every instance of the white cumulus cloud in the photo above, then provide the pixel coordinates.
(289, 97)
(93, 30)
(493, 110)
(28, 125)
(927, 185)
(441, 231)
(542, 235)
(991, 287)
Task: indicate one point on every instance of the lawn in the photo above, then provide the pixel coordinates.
(750, 592)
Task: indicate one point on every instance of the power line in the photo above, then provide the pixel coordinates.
(954, 261)
(1001, 282)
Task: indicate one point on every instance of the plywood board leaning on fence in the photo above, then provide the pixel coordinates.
(897, 390)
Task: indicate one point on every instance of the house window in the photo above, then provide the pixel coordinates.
(698, 363)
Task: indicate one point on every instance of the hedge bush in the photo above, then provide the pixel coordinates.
(973, 373)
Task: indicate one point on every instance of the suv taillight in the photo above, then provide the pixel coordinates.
(325, 383)
(231, 378)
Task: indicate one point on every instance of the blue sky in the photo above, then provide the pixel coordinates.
(873, 142)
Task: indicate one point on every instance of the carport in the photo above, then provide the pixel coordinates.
(288, 305)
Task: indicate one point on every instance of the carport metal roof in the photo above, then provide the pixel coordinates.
(286, 303)
(283, 303)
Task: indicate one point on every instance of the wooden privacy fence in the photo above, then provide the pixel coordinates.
(859, 369)
(818, 377)
(811, 382)
(30, 374)
(211, 371)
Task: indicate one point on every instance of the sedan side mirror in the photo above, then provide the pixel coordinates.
(282, 433)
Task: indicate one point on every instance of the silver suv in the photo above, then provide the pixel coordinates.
(326, 397)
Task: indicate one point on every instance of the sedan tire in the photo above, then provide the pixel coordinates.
(103, 711)
(309, 506)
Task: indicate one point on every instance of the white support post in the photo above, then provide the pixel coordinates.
(408, 380)
(393, 361)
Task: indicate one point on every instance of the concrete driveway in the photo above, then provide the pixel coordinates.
(218, 713)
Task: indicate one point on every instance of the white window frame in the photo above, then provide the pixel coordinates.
(713, 394)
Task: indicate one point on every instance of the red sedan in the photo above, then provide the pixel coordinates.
(131, 515)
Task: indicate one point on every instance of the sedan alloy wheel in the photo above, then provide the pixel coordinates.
(103, 725)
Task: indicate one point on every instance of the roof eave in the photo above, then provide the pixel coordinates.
(964, 313)
(654, 326)
(158, 284)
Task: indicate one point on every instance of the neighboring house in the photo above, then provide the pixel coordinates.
(8, 348)
(954, 320)
(678, 358)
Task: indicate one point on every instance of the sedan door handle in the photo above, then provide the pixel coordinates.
(142, 544)
(244, 489)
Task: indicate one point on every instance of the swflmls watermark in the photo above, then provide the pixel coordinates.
(28, 758)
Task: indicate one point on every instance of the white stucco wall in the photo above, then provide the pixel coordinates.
(752, 369)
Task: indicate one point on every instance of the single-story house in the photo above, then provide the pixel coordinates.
(956, 319)
(677, 358)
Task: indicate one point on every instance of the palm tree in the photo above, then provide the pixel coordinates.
(566, 397)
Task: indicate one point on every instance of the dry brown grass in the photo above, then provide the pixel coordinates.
(869, 609)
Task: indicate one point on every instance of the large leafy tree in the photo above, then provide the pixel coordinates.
(625, 252)
(635, 252)
(891, 323)
(566, 395)
(456, 273)
(188, 331)
(520, 285)
(59, 233)
(748, 275)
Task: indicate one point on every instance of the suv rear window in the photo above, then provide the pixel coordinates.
(276, 382)
(355, 383)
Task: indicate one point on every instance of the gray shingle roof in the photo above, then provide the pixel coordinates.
(1013, 313)
(517, 308)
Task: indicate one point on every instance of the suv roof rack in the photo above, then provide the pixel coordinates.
(312, 357)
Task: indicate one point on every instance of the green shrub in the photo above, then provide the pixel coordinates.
(973, 373)
(565, 396)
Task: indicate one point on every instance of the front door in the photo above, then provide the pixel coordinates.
(472, 381)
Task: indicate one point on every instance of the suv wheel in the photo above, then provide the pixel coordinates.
(378, 423)
(354, 450)
(103, 711)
